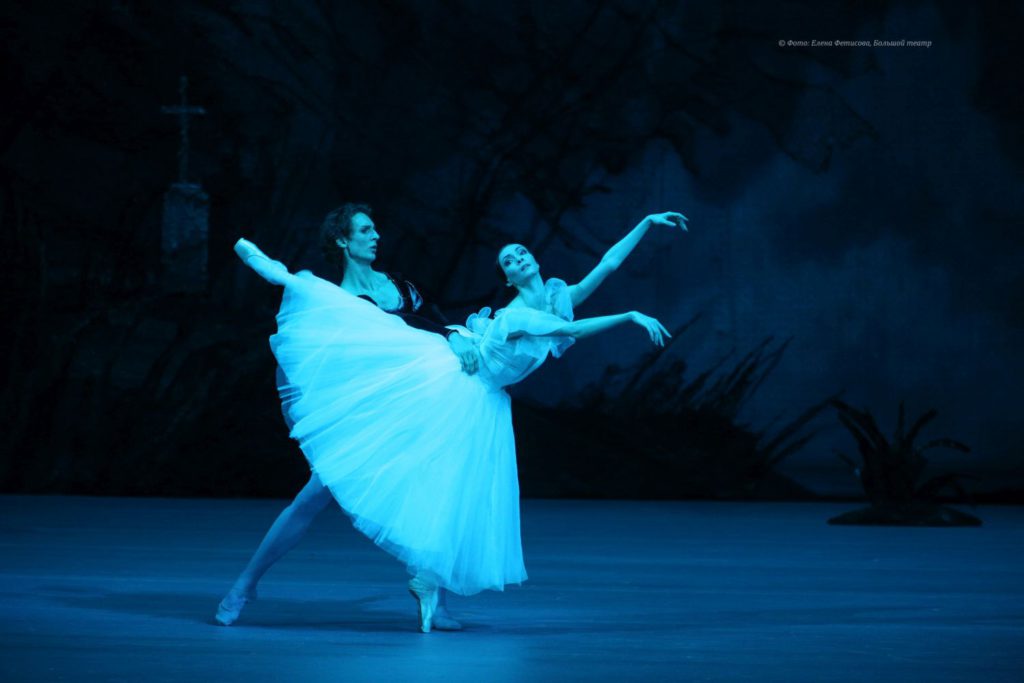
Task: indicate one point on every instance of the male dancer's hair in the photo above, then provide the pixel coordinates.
(338, 225)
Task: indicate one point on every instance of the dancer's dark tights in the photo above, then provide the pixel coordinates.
(286, 531)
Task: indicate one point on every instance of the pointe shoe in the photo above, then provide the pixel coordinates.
(247, 250)
(272, 271)
(442, 621)
(426, 598)
(231, 606)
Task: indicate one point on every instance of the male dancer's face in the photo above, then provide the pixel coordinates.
(361, 244)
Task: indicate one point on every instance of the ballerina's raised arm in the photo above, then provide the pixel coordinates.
(614, 257)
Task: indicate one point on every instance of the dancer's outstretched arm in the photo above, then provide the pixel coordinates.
(614, 257)
(587, 327)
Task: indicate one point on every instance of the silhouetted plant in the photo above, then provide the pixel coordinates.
(650, 431)
(893, 472)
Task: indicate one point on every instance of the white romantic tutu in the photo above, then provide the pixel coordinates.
(419, 454)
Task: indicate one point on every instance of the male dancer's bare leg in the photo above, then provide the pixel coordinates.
(286, 531)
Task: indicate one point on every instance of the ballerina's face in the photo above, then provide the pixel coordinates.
(517, 263)
(361, 242)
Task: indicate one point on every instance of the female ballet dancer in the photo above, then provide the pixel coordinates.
(348, 235)
(420, 455)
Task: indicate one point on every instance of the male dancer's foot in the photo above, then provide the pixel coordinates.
(233, 604)
(433, 610)
(443, 621)
(286, 531)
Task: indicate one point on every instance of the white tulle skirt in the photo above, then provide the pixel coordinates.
(420, 455)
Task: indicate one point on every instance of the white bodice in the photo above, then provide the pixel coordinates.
(510, 343)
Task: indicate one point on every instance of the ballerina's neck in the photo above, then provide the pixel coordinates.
(534, 296)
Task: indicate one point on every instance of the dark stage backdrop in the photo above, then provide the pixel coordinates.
(855, 212)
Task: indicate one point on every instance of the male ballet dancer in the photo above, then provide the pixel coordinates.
(348, 232)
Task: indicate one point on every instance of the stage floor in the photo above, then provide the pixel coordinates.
(125, 589)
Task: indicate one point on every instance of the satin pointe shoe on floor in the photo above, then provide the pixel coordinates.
(426, 598)
(273, 271)
(232, 605)
(442, 621)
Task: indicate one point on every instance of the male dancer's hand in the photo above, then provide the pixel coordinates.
(467, 353)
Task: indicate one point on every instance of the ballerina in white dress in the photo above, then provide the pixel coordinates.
(419, 454)
(349, 237)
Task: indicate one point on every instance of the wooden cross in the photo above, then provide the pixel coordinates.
(183, 111)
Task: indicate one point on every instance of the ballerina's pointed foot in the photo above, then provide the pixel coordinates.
(232, 605)
(272, 271)
(425, 594)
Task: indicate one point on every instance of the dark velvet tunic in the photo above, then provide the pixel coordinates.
(412, 309)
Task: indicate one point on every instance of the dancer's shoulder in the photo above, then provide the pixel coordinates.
(412, 300)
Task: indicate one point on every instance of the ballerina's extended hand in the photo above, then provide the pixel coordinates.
(272, 271)
(669, 219)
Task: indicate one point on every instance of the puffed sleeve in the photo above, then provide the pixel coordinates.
(559, 298)
(415, 298)
(529, 328)
(522, 331)
(421, 315)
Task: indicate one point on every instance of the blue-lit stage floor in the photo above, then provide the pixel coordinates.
(125, 589)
